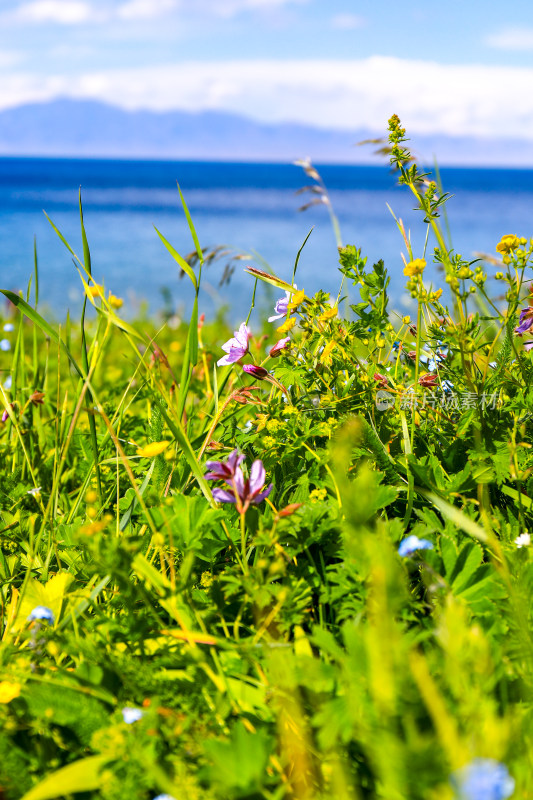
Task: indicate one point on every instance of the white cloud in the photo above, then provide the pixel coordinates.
(145, 9)
(64, 12)
(511, 39)
(345, 94)
(347, 22)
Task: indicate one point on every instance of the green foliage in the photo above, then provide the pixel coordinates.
(281, 648)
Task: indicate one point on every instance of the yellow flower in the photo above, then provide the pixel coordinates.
(406, 320)
(261, 421)
(153, 449)
(8, 691)
(437, 294)
(507, 243)
(297, 298)
(325, 356)
(288, 325)
(115, 302)
(415, 267)
(329, 313)
(95, 290)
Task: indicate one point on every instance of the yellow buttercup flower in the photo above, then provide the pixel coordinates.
(287, 326)
(437, 294)
(329, 313)
(325, 356)
(115, 302)
(95, 290)
(415, 267)
(508, 243)
(296, 299)
(153, 449)
(8, 691)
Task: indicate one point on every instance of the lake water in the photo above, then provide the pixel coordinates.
(250, 207)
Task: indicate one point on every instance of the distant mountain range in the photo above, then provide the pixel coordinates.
(86, 128)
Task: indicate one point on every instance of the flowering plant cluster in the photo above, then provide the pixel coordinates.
(350, 615)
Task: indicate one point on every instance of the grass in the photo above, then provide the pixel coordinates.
(362, 629)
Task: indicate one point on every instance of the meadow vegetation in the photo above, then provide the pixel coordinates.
(294, 562)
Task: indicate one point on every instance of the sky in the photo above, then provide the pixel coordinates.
(455, 67)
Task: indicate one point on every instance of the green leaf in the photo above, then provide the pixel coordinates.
(82, 776)
(36, 318)
(191, 227)
(179, 259)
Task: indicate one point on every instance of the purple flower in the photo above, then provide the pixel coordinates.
(483, 779)
(526, 320)
(131, 715)
(279, 346)
(412, 544)
(246, 491)
(224, 470)
(281, 308)
(237, 347)
(257, 372)
(528, 346)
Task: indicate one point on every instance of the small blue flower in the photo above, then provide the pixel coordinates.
(131, 715)
(5, 345)
(42, 613)
(9, 327)
(483, 779)
(164, 797)
(412, 544)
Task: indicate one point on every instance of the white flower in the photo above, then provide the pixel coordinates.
(9, 327)
(35, 492)
(524, 540)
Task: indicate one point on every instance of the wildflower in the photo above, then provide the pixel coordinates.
(115, 302)
(415, 267)
(43, 614)
(508, 243)
(224, 470)
(483, 779)
(37, 398)
(164, 797)
(289, 510)
(8, 691)
(279, 346)
(245, 491)
(410, 545)
(8, 383)
(131, 715)
(35, 492)
(153, 449)
(406, 320)
(287, 326)
(95, 290)
(528, 346)
(5, 345)
(257, 372)
(5, 415)
(329, 313)
(427, 380)
(526, 320)
(325, 356)
(524, 540)
(237, 347)
(381, 379)
(281, 307)
(436, 295)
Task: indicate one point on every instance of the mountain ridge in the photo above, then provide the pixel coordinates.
(90, 128)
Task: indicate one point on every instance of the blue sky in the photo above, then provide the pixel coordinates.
(453, 67)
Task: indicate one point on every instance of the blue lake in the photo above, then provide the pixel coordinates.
(252, 208)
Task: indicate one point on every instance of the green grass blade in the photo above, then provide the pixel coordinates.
(191, 227)
(188, 270)
(36, 318)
